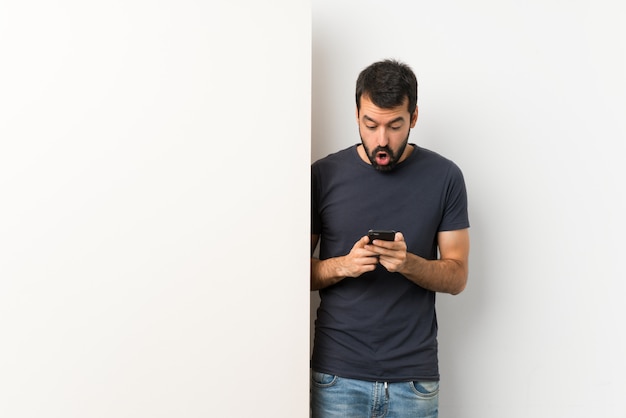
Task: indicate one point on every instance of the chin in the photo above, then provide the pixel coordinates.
(384, 168)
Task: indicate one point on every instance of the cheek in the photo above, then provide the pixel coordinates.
(399, 137)
(366, 135)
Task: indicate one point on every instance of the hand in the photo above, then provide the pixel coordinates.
(359, 260)
(391, 254)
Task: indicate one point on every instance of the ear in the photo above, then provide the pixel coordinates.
(356, 111)
(414, 118)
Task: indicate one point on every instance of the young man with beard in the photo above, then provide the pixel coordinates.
(375, 351)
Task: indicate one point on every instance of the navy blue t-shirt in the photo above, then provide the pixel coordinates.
(381, 326)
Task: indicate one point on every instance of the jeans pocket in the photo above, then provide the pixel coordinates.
(322, 380)
(426, 388)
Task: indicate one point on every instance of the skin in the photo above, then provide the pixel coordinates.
(448, 274)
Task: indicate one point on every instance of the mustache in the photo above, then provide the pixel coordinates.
(384, 149)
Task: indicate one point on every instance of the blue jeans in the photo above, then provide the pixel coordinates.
(334, 396)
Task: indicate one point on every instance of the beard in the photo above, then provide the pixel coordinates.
(388, 155)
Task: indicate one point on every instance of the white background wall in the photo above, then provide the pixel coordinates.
(529, 99)
(154, 199)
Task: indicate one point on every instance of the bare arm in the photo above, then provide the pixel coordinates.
(448, 274)
(327, 272)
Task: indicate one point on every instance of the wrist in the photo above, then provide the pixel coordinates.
(340, 269)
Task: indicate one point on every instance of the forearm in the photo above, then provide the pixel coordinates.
(444, 276)
(325, 273)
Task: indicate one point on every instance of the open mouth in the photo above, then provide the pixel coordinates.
(382, 158)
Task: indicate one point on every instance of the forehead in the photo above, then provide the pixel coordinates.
(383, 115)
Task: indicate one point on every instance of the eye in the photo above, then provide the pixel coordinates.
(371, 128)
(396, 128)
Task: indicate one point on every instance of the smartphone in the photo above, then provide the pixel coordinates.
(384, 234)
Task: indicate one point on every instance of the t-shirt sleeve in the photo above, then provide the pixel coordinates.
(455, 214)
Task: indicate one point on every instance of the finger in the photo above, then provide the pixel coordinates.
(371, 261)
(362, 242)
(391, 264)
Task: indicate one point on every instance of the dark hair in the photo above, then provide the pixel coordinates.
(387, 83)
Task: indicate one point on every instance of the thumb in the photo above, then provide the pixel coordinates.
(363, 241)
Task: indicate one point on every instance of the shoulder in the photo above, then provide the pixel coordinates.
(335, 159)
(430, 155)
(435, 161)
(338, 155)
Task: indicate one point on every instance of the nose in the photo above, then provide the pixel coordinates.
(382, 139)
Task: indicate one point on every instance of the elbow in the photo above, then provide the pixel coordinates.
(459, 285)
(458, 289)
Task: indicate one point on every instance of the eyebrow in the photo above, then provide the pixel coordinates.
(398, 119)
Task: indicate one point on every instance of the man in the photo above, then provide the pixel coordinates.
(375, 351)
